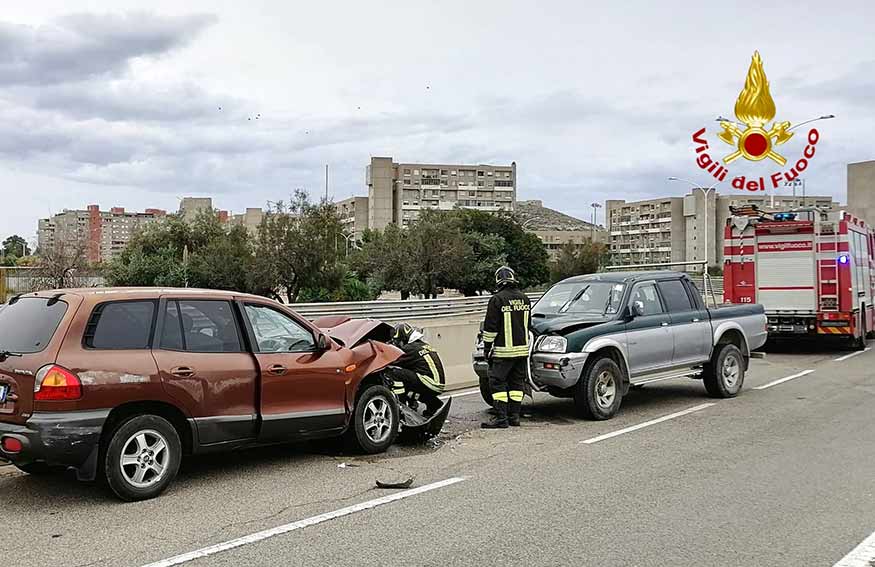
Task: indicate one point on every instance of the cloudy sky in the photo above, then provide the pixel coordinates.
(137, 104)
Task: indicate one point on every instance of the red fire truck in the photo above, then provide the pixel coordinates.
(812, 271)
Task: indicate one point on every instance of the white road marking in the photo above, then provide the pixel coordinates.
(861, 556)
(460, 394)
(785, 379)
(280, 530)
(853, 354)
(647, 424)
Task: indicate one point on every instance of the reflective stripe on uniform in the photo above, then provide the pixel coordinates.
(434, 371)
(489, 337)
(511, 352)
(516, 395)
(431, 384)
(500, 396)
(508, 330)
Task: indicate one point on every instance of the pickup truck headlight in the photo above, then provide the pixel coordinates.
(553, 344)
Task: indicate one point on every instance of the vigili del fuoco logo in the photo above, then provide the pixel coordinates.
(753, 138)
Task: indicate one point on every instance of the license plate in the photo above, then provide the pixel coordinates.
(4, 389)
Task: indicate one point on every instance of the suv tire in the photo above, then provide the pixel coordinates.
(142, 457)
(724, 375)
(375, 420)
(598, 392)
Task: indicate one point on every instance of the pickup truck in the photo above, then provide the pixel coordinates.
(597, 335)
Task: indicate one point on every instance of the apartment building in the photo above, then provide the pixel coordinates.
(674, 229)
(106, 233)
(397, 192)
(861, 190)
(353, 213)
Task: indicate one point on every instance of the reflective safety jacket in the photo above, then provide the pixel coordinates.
(420, 358)
(506, 329)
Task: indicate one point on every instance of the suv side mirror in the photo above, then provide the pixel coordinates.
(637, 308)
(322, 343)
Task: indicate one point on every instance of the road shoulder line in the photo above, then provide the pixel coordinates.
(647, 424)
(853, 354)
(785, 379)
(284, 529)
(861, 556)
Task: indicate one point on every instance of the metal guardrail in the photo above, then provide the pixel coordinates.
(400, 310)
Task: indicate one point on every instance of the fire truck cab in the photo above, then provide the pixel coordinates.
(811, 270)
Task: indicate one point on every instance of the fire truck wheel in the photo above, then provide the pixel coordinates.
(724, 375)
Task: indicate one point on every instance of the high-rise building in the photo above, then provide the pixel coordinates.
(397, 192)
(353, 213)
(674, 229)
(105, 233)
(861, 190)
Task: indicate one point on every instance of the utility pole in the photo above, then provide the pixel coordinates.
(595, 207)
(326, 182)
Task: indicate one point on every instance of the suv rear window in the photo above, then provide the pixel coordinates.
(29, 324)
(121, 325)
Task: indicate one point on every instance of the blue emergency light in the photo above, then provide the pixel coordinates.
(844, 259)
(785, 216)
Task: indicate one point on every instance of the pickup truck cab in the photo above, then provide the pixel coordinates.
(597, 335)
(121, 383)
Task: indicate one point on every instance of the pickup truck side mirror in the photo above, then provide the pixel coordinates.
(637, 308)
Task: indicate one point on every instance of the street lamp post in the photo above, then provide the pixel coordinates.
(595, 207)
(705, 195)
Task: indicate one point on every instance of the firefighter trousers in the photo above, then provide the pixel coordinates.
(407, 381)
(507, 378)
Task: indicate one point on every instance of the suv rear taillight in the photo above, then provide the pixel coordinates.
(56, 383)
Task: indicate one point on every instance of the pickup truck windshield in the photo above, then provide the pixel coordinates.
(28, 325)
(581, 297)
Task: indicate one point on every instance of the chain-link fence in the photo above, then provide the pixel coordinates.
(25, 280)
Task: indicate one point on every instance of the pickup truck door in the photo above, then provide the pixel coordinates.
(690, 323)
(648, 336)
(303, 389)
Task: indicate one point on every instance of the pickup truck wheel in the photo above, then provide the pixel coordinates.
(597, 395)
(724, 375)
(375, 420)
(142, 457)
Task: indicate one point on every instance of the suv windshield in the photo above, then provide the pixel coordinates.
(28, 325)
(595, 297)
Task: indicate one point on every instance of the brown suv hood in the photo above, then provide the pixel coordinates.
(352, 332)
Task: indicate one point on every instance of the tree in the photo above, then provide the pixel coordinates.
(176, 253)
(577, 259)
(15, 246)
(298, 248)
(523, 251)
(487, 252)
(436, 252)
(60, 265)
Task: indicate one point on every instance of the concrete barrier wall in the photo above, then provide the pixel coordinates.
(454, 340)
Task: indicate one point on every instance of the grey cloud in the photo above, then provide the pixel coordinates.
(127, 100)
(83, 46)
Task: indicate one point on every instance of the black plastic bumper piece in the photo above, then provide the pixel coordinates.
(67, 439)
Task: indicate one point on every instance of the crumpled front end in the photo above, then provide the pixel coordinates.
(558, 370)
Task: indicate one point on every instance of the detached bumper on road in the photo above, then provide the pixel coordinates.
(68, 439)
(558, 370)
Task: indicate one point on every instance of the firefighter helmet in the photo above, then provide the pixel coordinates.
(504, 275)
(405, 333)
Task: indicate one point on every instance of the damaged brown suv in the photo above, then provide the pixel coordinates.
(121, 383)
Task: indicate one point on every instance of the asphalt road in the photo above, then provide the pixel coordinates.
(781, 475)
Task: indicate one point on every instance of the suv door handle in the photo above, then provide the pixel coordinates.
(277, 370)
(664, 324)
(182, 372)
(696, 320)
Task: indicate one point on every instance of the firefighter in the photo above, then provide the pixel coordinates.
(506, 346)
(419, 372)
